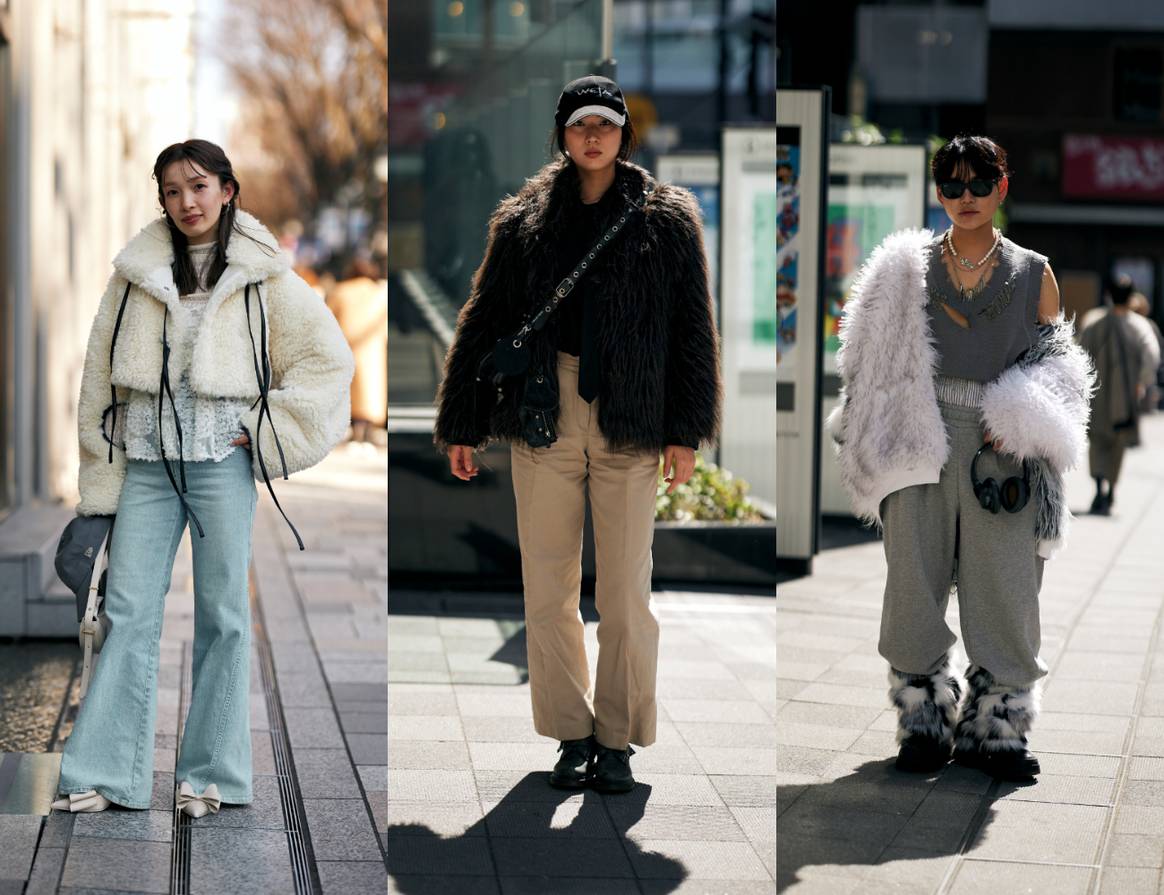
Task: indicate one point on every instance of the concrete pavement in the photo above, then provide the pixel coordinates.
(1093, 822)
(318, 720)
(471, 811)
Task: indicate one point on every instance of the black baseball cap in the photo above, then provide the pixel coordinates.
(591, 95)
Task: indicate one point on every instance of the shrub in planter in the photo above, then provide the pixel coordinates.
(711, 495)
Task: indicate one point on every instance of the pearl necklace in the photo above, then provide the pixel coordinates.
(966, 263)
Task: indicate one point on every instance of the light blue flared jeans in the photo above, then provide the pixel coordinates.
(111, 748)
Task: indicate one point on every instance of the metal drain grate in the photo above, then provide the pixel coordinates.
(303, 869)
(180, 843)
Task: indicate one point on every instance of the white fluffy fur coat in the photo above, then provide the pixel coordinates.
(311, 363)
(888, 427)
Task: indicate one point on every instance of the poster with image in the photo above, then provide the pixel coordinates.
(787, 210)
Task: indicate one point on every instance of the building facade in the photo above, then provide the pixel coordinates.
(89, 93)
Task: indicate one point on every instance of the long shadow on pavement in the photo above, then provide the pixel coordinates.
(523, 836)
(874, 816)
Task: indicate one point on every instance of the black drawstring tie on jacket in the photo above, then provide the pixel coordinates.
(264, 379)
(164, 391)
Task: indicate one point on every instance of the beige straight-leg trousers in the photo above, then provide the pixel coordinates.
(550, 487)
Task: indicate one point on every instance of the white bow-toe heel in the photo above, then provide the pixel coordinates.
(194, 805)
(82, 802)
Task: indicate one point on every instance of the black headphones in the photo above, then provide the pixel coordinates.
(1011, 496)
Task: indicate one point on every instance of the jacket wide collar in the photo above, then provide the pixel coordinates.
(553, 192)
(146, 261)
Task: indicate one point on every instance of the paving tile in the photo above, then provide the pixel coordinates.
(697, 733)
(373, 777)
(939, 823)
(742, 761)
(858, 717)
(680, 789)
(1143, 792)
(426, 854)
(903, 871)
(711, 710)
(46, 871)
(562, 855)
(786, 795)
(745, 792)
(990, 877)
(364, 722)
(841, 821)
(223, 860)
(666, 758)
(151, 826)
(357, 692)
(436, 785)
(583, 818)
(1079, 765)
(1062, 789)
(265, 812)
(497, 730)
(325, 773)
(58, 829)
(519, 786)
(818, 736)
(445, 819)
(837, 694)
(378, 802)
(128, 865)
(313, 728)
(510, 756)
(406, 884)
(804, 760)
(1025, 831)
(475, 704)
(1125, 850)
(341, 830)
(659, 821)
(678, 859)
(428, 727)
(368, 748)
(1128, 881)
(541, 885)
(19, 833)
(1077, 741)
(352, 877)
(424, 755)
(1094, 697)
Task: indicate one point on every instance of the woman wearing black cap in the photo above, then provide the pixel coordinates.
(616, 297)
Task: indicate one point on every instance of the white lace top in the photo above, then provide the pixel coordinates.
(209, 425)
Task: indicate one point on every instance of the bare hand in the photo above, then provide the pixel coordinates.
(461, 461)
(678, 465)
(242, 440)
(997, 442)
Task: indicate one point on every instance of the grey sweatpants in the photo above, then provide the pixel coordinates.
(936, 533)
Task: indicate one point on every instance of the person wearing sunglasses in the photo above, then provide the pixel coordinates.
(964, 402)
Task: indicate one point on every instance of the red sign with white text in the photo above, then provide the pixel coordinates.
(1113, 167)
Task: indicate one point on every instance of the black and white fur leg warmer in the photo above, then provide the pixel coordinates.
(996, 718)
(928, 704)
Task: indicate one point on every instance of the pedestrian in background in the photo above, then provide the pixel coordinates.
(360, 304)
(1126, 355)
(222, 365)
(964, 403)
(626, 368)
(1143, 307)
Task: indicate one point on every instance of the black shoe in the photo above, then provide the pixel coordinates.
(1101, 506)
(574, 768)
(612, 772)
(922, 755)
(1012, 765)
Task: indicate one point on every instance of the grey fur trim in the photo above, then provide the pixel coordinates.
(996, 717)
(927, 704)
(1047, 493)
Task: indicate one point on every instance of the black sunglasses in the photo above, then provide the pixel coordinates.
(953, 189)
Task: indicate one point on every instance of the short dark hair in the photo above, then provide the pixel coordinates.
(1120, 288)
(983, 156)
(630, 140)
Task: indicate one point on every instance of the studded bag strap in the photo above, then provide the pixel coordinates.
(578, 271)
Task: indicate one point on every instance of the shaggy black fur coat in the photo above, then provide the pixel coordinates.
(659, 351)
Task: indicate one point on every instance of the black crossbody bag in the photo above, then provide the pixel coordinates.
(507, 365)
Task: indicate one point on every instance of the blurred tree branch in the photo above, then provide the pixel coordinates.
(314, 76)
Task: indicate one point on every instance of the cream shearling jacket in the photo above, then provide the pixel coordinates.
(888, 428)
(311, 363)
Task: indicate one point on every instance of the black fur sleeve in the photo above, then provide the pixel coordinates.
(694, 393)
(479, 325)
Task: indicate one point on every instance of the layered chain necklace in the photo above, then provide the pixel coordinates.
(966, 263)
